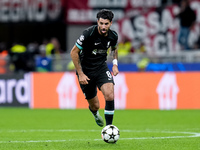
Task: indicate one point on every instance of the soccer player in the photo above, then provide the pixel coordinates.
(89, 56)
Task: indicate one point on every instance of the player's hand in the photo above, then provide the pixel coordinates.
(83, 79)
(115, 70)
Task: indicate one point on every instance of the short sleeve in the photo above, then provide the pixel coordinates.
(115, 39)
(80, 42)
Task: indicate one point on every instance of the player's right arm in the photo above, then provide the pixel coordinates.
(83, 79)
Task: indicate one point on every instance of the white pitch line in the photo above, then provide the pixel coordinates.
(50, 130)
(47, 141)
(191, 135)
(167, 137)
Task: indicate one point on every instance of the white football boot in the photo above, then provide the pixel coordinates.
(98, 119)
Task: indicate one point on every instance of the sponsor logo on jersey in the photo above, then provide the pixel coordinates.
(94, 52)
(99, 51)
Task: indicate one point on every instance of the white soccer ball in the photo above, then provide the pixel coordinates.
(110, 134)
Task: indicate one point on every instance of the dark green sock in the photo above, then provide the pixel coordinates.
(109, 112)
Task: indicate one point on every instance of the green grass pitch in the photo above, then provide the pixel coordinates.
(54, 129)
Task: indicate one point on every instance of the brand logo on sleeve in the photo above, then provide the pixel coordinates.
(81, 38)
(97, 43)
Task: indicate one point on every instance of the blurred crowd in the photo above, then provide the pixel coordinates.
(37, 56)
(187, 17)
(30, 57)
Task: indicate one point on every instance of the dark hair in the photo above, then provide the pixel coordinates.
(105, 14)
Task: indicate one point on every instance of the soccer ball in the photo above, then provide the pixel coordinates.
(110, 134)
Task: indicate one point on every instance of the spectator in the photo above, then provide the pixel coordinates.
(32, 51)
(33, 48)
(70, 66)
(139, 46)
(3, 56)
(124, 47)
(49, 49)
(187, 18)
(56, 45)
(53, 47)
(43, 62)
(17, 58)
(142, 64)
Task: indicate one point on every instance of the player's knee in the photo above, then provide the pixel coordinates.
(109, 96)
(95, 107)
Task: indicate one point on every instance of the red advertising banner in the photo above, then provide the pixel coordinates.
(84, 11)
(163, 91)
(143, 22)
(157, 29)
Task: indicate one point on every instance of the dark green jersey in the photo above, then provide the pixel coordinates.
(94, 48)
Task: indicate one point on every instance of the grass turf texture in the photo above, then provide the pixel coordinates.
(54, 129)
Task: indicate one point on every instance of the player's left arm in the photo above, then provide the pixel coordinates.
(115, 60)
